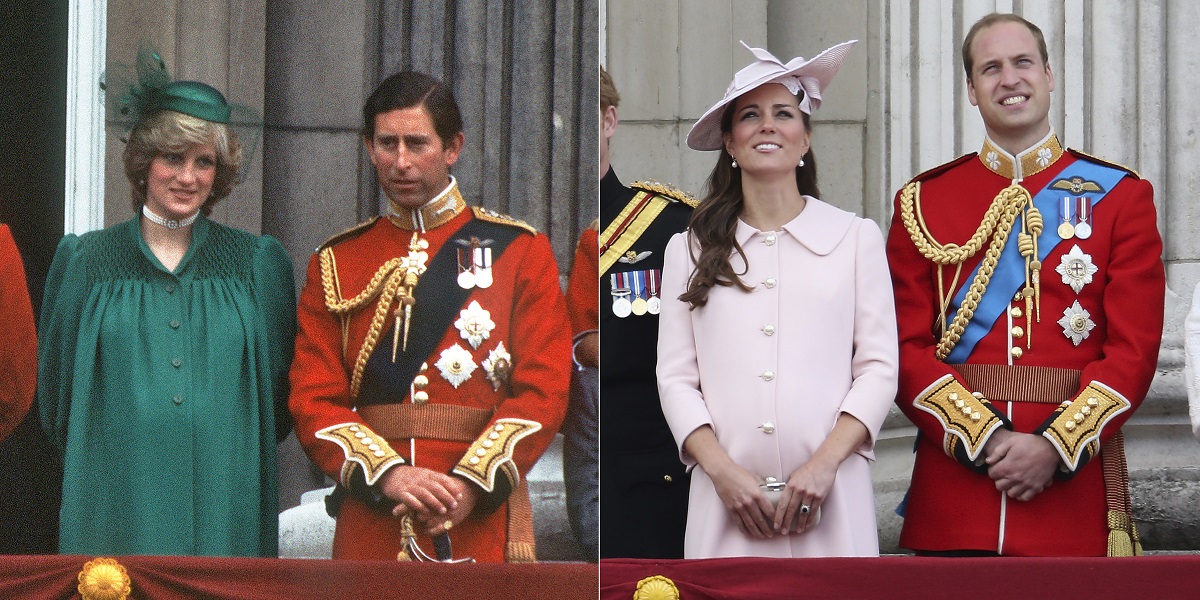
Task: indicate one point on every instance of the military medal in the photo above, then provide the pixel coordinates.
(653, 305)
(456, 365)
(474, 263)
(483, 267)
(466, 272)
(1076, 269)
(1083, 230)
(1066, 230)
(1076, 323)
(474, 324)
(638, 305)
(498, 366)
(620, 293)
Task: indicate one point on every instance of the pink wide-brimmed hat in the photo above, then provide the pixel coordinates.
(798, 74)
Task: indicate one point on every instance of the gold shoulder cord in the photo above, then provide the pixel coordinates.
(384, 284)
(997, 224)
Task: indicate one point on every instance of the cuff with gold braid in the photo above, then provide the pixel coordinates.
(493, 451)
(364, 449)
(1074, 428)
(968, 419)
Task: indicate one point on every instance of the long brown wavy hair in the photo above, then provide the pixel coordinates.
(714, 221)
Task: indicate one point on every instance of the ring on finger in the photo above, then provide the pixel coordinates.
(804, 509)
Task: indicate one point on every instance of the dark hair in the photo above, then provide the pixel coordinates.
(714, 222)
(170, 131)
(407, 89)
(992, 19)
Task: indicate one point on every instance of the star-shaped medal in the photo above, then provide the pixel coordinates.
(1076, 323)
(1076, 268)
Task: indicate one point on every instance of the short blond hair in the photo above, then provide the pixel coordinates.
(170, 131)
(608, 91)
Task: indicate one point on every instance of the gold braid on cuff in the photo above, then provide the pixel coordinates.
(493, 450)
(1075, 432)
(967, 417)
(363, 448)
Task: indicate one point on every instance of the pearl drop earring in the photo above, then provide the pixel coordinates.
(734, 163)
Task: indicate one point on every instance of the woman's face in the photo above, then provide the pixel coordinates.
(178, 183)
(767, 133)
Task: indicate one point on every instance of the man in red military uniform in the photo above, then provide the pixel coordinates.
(581, 428)
(18, 338)
(1029, 290)
(433, 354)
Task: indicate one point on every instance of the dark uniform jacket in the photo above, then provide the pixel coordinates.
(643, 485)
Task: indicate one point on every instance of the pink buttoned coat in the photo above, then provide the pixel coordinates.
(771, 370)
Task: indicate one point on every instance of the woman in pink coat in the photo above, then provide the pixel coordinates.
(777, 340)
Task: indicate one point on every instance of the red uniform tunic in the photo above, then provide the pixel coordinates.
(18, 338)
(526, 306)
(583, 288)
(952, 503)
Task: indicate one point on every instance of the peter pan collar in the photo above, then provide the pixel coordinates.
(820, 227)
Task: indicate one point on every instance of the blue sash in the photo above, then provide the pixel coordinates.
(1009, 276)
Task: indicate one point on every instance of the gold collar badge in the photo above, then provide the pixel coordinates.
(1026, 164)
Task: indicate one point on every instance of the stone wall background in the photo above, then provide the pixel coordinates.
(1125, 75)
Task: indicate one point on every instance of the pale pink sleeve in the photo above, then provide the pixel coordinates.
(678, 370)
(875, 363)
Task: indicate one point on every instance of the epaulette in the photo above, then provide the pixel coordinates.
(665, 189)
(1085, 155)
(487, 214)
(347, 234)
(595, 224)
(938, 170)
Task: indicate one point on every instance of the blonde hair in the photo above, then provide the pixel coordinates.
(170, 131)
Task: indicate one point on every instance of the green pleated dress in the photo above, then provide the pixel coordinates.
(167, 392)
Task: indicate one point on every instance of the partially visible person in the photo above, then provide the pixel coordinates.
(581, 427)
(777, 354)
(167, 340)
(643, 486)
(1029, 287)
(28, 505)
(433, 360)
(1191, 328)
(18, 338)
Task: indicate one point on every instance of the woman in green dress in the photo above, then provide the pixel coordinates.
(167, 341)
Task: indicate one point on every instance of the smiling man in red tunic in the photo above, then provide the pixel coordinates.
(1029, 290)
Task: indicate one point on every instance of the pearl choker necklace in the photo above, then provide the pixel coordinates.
(169, 223)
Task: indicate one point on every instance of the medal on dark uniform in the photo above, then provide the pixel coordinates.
(653, 305)
(1083, 230)
(638, 304)
(1066, 230)
(621, 307)
(483, 267)
(474, 263)
(466, 272)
